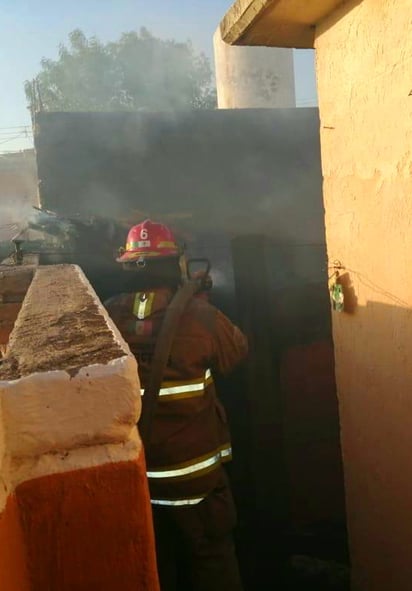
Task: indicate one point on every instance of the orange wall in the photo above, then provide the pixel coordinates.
(80, 518)
(87, 530)
(364, 53)
(90, 530)
(13, 568)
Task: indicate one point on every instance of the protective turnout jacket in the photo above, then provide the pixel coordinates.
(190, 437)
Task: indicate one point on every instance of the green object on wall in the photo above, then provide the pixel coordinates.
(337, 297)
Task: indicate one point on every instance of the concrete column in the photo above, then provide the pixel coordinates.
(74, 502)
(253, 77)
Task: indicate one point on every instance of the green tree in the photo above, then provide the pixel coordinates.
(139, 71)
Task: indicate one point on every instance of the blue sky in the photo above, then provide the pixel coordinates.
(32, 29)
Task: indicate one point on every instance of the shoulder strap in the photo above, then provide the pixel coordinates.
(162, 350)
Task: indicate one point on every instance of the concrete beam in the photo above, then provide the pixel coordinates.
(275, 23)
(69, 379)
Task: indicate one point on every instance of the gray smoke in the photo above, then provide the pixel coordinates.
(14, 218)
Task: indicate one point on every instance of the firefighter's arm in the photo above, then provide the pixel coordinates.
(230, 345)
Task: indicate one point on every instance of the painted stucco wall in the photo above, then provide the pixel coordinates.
(14, 575)
(74, 501)
(364, 59)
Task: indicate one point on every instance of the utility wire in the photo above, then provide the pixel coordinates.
(10, 135)
(25, 130)
(14, 129)
(17, 130)
(10, 131)
(10, 139)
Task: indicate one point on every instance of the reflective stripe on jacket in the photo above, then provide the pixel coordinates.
(190, 436)
(188, 389)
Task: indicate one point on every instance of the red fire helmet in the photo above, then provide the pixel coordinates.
(149, 240)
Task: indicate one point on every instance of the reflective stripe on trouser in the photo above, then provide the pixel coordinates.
(178, 502)
(195, 543)
(194, 469)
(184, 389)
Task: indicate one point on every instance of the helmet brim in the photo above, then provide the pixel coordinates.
(134, 255)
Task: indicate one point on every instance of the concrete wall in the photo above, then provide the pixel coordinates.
(253, 77)
(74, 501)
(364, 53)
(211, 175)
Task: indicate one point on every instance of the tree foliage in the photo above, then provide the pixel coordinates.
(139, 71)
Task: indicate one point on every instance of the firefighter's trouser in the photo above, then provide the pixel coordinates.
(195, 548)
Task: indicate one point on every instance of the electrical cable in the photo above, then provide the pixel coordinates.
(370, 285)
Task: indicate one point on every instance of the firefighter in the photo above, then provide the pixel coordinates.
(193, 509)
